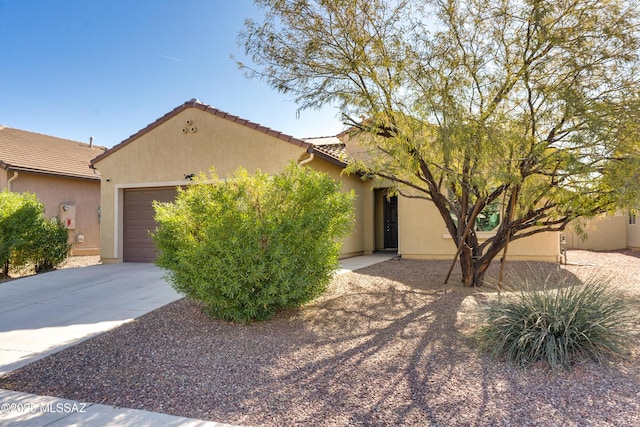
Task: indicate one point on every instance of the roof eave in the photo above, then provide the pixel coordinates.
(9, 167)
(331, 159)
(327, 157)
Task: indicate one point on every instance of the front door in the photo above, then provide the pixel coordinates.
(391, 222)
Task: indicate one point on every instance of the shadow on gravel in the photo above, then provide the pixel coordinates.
(397, 354)
(387, 345)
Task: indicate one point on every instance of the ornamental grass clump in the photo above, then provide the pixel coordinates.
(250, 246)
(558, 325)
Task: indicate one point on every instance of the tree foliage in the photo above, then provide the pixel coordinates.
(528, 104)
(252, 245)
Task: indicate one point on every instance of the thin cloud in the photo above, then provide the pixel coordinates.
(171, 58)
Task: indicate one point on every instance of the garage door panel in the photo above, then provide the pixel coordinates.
(138, 221)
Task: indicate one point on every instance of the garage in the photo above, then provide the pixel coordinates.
(138, 220)
(189, 140)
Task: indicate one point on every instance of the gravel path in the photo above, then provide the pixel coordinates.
(387, 345)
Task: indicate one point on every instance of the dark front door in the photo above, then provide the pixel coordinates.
(391, 222)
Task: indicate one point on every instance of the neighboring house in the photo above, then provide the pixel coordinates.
(58, 172)
(194, 137)
(606, 233)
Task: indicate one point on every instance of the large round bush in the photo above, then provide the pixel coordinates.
(249, 246)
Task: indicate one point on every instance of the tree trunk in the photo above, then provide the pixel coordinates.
(481, 267)
(466, 263)
(473, 265)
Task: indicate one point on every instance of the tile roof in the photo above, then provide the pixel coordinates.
(21, 150)
(194, 103)
(329, 148)
(338, 149)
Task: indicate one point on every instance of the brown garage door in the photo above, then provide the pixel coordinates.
(138, 220)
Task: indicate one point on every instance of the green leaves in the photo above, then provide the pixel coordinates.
(252, 245)
(467, 102)
(26, 236)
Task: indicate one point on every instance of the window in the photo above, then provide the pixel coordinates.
(488, 219)
(632, 218)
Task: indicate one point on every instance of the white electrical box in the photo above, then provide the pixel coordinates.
(67, 216)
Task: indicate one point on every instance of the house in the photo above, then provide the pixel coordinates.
(194, 137)
(58, 172)
(606, 233)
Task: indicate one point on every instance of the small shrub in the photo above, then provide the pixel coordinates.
(45, 247)
(19, 213)
(27, 237)
(252, 245)
(558, 325)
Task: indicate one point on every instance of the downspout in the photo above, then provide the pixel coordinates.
(15, 175)
(307, 160)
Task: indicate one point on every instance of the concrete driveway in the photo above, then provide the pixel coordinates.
(42, 314)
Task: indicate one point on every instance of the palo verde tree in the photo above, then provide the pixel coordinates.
(530, 106)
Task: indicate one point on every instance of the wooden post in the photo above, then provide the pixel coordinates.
(512, 209)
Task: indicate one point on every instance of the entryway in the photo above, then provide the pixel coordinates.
(391, 222)
(386, 220)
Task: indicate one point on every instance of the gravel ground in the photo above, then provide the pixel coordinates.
(387, 345)
(80, 261)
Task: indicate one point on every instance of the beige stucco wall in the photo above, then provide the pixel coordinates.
(84, 194)
(423, 235)
(164, 155)
(361, 240)
(604, 233)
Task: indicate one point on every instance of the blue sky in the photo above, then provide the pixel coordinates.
(107, 68)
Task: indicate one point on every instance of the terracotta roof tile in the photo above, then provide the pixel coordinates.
(334, 153)
(29, 151)
(194, 103)
(335, 150)
(329, 148)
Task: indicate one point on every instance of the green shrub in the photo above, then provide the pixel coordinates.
(45, 246)
(26, 236)
(252, 245)
(18, 214)
(558, 325)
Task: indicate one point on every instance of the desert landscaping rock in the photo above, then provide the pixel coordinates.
(387, 345)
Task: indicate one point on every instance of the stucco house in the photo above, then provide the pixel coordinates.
(58, 172)
(606, 232)
(193, 137)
